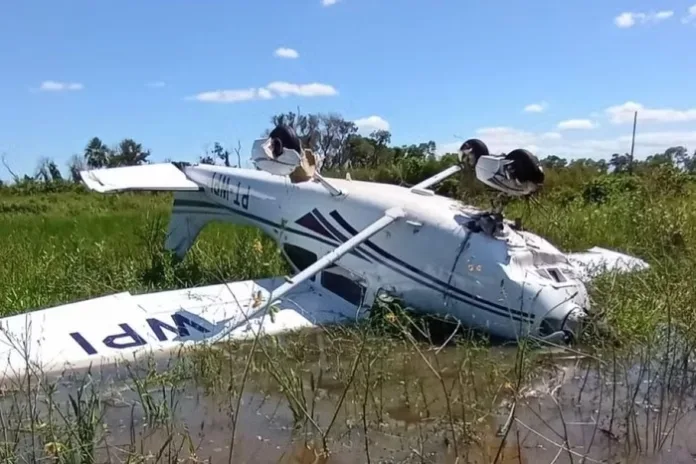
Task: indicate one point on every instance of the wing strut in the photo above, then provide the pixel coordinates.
(389, 217)
(430, 181)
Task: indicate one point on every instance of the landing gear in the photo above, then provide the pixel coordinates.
(499, 202)
(284, 137)
(471, 150)
(518, 173)
(281, 153)
(524, 166)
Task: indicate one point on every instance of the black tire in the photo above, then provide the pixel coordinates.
(525, 166)
(284, 137)
(477, 147)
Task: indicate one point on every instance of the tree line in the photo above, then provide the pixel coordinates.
(342, 148)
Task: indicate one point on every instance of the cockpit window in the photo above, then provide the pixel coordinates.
(299, 257)
(552, 274)
(343, 286)
(334, 278)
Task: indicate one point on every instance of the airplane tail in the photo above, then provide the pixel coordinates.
(147, 177)
(190, 210)
(598, 260)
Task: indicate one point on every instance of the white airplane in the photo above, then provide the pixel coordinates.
(347, 241)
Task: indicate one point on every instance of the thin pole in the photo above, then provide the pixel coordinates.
(633, 141)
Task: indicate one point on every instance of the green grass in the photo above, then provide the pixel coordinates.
(67, 246)
(82, 246)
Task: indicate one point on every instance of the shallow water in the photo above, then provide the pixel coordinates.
(571, 410)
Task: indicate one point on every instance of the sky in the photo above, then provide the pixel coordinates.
(556, 77)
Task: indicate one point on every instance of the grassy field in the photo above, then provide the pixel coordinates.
(378, 379)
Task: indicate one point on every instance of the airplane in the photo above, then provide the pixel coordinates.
(347, 241)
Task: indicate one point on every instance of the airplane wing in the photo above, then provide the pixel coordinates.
(149, 177)
(597, 260)
(102, 330)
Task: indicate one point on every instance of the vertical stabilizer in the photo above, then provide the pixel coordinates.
(191, 212)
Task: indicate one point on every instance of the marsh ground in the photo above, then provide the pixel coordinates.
(379, 392)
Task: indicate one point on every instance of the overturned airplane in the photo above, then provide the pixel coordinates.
(347, 241)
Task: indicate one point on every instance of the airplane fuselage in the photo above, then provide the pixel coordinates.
(436, 259)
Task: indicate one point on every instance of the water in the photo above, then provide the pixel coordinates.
(571, 409)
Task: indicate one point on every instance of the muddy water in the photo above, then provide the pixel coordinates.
(570, 411)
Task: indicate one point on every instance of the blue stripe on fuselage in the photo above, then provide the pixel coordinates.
(392, 262)
(449, 290)
(384, 254)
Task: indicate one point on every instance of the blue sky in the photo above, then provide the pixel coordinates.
(427, 70)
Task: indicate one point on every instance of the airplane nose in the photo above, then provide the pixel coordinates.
(562, 327)
(574, 321)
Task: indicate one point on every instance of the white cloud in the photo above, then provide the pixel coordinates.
(551, 136)
(284, 52)
(53, 86)
(624, 20)
(622, 114)
(572, 144)
(662, 15)
(506, 139)
(272, 90)
(629, 19)
(690, 15)
(228, 96)
(156, 84)
(328, 2)
(372, 123)
(573, 124)
(314, 89)
(535, 107)
(264, 94)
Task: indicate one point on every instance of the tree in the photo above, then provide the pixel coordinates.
(221, 154)
(305, 126)
(679, 157)
(553, 162)
(218, 152)
(325, 134)
(620, 163)
(333, 135)
(75, 165)
(600, 165)
(359, 151)
(129, 153)
(47, 171)
(206, 159)
(421, 150)
(381, 137)
(97, 154)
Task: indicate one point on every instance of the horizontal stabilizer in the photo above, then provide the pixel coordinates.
(597, 260)
(149, 177)
(122, 326)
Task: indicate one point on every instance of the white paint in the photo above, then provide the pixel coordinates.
(428, 250)
(41, 341)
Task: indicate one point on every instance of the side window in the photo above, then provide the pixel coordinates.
(299, 257)
(342, 286)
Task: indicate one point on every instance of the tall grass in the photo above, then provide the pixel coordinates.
(395, 385)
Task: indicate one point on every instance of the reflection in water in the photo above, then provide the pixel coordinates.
(397, 404)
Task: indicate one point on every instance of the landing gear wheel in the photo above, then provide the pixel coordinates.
(525, 166)
(472, 150)
(284, 137)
